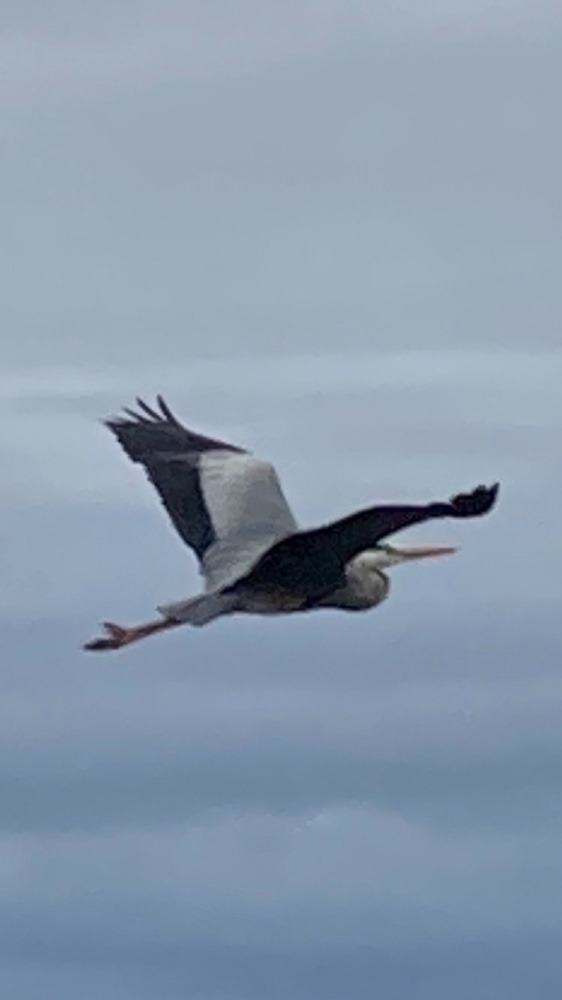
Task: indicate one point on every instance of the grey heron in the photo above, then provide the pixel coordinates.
(228, 506)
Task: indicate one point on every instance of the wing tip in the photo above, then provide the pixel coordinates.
(162, 425)
(148, 415)
(480, 501)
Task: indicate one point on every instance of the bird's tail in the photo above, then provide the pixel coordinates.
(199, 610)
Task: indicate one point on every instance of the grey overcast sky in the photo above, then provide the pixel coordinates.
(331, 232)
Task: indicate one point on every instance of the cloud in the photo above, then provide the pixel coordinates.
(134, 46)
(218, 813)
(374, 197)
(212, 880)
(144, 45)
(242, 718)
(265, 795)
(445, 21)
(331, 408)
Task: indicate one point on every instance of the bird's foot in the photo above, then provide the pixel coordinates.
(116, 636)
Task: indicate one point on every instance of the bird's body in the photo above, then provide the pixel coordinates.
(364, 587)
(228, 506)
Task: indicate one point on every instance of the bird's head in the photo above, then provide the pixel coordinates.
(384, 557)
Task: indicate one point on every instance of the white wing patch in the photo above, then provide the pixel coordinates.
(242, 492)
(247, 509)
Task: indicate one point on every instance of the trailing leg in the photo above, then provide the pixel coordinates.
(118, 635)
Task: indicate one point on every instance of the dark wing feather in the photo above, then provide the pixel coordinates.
(313, 562)
(145, 434)
(169, 453)
(366, 528)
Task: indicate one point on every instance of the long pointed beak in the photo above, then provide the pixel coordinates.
(426, 551)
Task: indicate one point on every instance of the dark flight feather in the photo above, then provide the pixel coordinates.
(170, 454)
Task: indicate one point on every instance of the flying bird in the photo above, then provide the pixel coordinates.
(228, 506)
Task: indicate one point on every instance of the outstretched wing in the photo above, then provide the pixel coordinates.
(313, 562)
(227, 505)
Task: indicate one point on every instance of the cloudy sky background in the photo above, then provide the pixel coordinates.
(331, 233)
